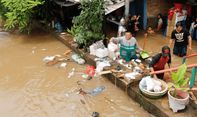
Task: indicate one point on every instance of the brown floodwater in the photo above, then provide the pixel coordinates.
(29, 88)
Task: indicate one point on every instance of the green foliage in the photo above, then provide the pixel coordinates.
(87, 27)
(179, 80)
(3, 10)
(19, 13)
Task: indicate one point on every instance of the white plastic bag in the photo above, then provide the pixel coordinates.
(101, 53)
(131, 75)
(157, 88)
(101, 65)
(92, 49)
(95, 46)
(112, 48)
(150, 83)
(48, 58)
(78, 59)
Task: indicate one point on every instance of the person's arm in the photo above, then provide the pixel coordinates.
(171, 42)
(172, 39)
(169, 61)
(138, 47)
(189, 42)
(195, 25)
(115, 39)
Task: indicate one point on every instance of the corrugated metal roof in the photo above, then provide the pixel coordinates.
(110, 5)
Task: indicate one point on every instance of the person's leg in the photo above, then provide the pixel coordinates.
(160, 76)
(175, 50)
(183, 51)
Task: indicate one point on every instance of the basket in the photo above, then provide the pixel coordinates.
(154, 95)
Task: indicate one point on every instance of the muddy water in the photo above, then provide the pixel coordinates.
(155, 42)
(29, 88)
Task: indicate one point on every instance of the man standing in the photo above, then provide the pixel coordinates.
(181, 39)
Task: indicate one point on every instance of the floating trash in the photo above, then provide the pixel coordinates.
(90, 70)
(43, 49)
(33, 51)
(95, 114)
(78, 59)
(97, 90)
(63, 65)
(71, 73)
(48, 58)
(83, 102)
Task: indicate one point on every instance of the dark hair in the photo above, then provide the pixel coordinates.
(159, 15)
(163, 51)
(165, 48)
(179, 24)
(148, 27)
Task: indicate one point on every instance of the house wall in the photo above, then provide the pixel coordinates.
(154, 7)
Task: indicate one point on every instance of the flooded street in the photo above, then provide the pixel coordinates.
(29, 88)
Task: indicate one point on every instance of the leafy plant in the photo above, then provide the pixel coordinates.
(19, 13)
(179, 80)
(87, 27)
(3, 10)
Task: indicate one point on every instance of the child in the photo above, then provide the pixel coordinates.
(150, 30)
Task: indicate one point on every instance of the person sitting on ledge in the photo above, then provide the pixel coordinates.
(128, 46)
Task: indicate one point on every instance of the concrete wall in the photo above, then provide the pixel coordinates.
(154, 7)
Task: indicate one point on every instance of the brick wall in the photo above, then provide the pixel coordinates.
(154, 7)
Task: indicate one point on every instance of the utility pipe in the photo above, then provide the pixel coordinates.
(172, 69)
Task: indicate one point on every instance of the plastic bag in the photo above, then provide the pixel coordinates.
(101, 53)
(78, 59)
(112, 48)
(95, 46)
(97, 90)
(101, 65)
(150, 83)
(157, 88)
(90, 70)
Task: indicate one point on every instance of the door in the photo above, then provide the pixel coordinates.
(139, 7)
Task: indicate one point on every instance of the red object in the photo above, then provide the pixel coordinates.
(166, 51)
(160, 65)
(170, 14)
(90, 70)
(178, 6)
(189, 10)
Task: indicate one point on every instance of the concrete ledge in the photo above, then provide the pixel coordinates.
(157, 107)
